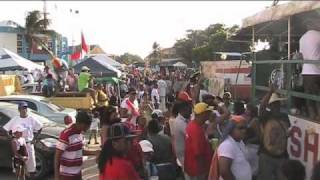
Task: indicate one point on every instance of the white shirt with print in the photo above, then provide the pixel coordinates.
(30, 124)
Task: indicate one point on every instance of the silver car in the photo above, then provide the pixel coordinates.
(44, 148)
(43, 106)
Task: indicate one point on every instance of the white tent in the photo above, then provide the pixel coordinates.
(179, 64)
(9, 61)
(104, 57)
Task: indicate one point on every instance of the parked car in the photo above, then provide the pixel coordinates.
(43, 106)
(45, 146)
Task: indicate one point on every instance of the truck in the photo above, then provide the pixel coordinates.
(230, 72)
(283, 25)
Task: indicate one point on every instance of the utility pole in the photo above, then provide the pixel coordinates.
(45, 13)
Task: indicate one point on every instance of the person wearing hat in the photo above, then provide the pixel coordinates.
(69, 149)
(197, 147)
(227, 100)
(112, 162)
(274, 126)
(129, 108)
(84, 81)
(232, 153)
(147, 149)
(19, 150)
(32, 128)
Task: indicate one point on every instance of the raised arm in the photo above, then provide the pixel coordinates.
(265, 100)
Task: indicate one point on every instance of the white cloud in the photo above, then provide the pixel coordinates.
(127, 26)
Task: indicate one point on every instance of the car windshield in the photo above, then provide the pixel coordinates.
(53, 107)
(40, 117)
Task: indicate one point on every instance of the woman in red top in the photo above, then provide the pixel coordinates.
(112, 162)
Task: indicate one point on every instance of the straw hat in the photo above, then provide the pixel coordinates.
(275, 97)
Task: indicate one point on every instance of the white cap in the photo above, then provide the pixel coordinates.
(18, 128)
(146, 146)
(158, 112)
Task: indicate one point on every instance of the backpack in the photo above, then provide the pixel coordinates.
(274, 138)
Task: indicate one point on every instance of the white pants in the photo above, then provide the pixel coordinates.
(163, 103)
(31, 162)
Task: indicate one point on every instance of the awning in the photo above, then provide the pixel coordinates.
(281, 11)
(10, 61)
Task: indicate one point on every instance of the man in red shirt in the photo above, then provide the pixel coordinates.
(197, 148)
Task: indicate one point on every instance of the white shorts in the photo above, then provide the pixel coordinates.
(31, 162)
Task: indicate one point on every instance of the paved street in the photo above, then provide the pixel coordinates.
(89, 170)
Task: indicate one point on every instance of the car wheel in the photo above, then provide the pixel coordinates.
(41, 166)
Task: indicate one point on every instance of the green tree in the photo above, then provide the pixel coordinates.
(35, 25)
(128, 58)
(199, 45)
(156, 54)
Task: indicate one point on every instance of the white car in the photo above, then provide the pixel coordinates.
(43, 106)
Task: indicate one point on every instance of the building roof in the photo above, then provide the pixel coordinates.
(9, 23)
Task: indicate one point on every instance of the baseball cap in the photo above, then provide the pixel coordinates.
(22, 104)
(184, 96)
(85, 68)
(201, 108)
(18, 128)
(119, 130)
(146, 146)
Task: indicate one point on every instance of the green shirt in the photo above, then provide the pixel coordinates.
(83, 81)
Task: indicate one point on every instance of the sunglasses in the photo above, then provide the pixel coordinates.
(23, 107)
(242, 127)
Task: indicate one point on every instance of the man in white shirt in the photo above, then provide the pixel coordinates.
(129, 109)
(155, 97)
(310, 49)
(162, 86)
(179, 130)
(30, 125)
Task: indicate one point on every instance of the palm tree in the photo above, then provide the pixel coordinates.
(156, 53)
(36, 25)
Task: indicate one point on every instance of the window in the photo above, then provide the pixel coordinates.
(19, 50)
(32, 105)
(3, 119)
(19, 43)
(19, 37)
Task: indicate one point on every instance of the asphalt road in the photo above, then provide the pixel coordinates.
(89, 169)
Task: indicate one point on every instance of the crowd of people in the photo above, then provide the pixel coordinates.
(162, 132)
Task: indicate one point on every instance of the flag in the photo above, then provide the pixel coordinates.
(75, 56)
(84, 45)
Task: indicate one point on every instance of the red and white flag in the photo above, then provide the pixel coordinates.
(84, 45)
(75, 56)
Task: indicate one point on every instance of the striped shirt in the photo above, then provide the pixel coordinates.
(71, 143)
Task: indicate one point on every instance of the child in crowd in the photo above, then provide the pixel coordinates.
(19, 150)
(94, 127)
(151, 169)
